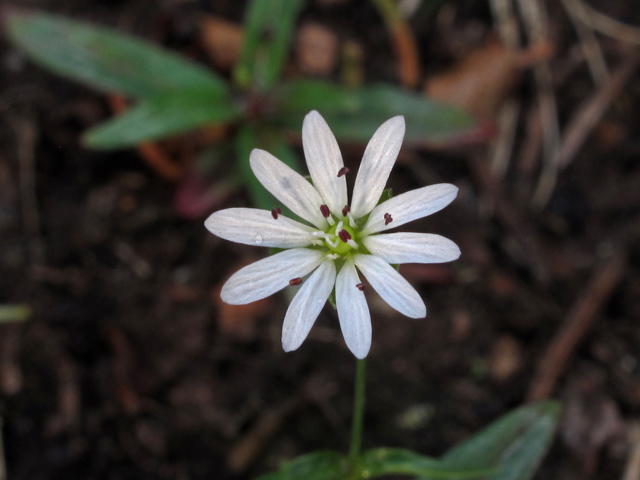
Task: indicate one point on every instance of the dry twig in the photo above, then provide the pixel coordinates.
(592, 110)
(590, 46)
(527, 242)
(506, 22)
(246, 450)
(502, 147)
(535, 19)
(607, 25)
(581, 125)
(576, 325)
(404, 43)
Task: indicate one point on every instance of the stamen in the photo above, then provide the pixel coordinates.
(294, 282)
(331, 242)
(275, 212)
(339, 227)
(332, 256)
(344, 236)
(325, 211)
(353, 244)
(343, 171)
(360, 287)
(346, 210)
(387, 219)
(331, 221)
(352, 222)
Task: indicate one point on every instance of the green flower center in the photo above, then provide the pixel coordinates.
(342, 246)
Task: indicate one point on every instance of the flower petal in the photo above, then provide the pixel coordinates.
(353, 311)
(252, 226)
(288, 186)
(377, 162)
(324, 161)
(391, 286)
(265, 277)
(404, 247)
(410, 206)
(307, 305)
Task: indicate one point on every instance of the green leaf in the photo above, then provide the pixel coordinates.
(355, 114)
(322, 465)
(250, 137)
(14, 313)
(104, 58)
(517, 442)
(386, 461)
(268, 28)
(161, 117)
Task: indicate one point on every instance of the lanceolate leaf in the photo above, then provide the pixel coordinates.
(268, 28)
(355, 114)
(314, 466)
(516, 442)
(161, 117)
(103, 58)
(386, 461)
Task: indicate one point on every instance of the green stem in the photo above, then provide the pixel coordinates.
(358, 410)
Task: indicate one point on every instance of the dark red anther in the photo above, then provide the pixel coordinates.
(325, 211)
(387, 219)
(294, 282)
(344, 236)
(360, 287)
(275, 212)
(343, 171)
(346, 210)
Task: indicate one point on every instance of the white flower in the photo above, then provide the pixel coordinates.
(344, 237)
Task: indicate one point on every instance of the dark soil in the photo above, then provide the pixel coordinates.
(126, 371)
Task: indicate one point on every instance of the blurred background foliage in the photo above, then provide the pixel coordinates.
(255, 108)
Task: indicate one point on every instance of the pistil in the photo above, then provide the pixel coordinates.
(344, 236)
